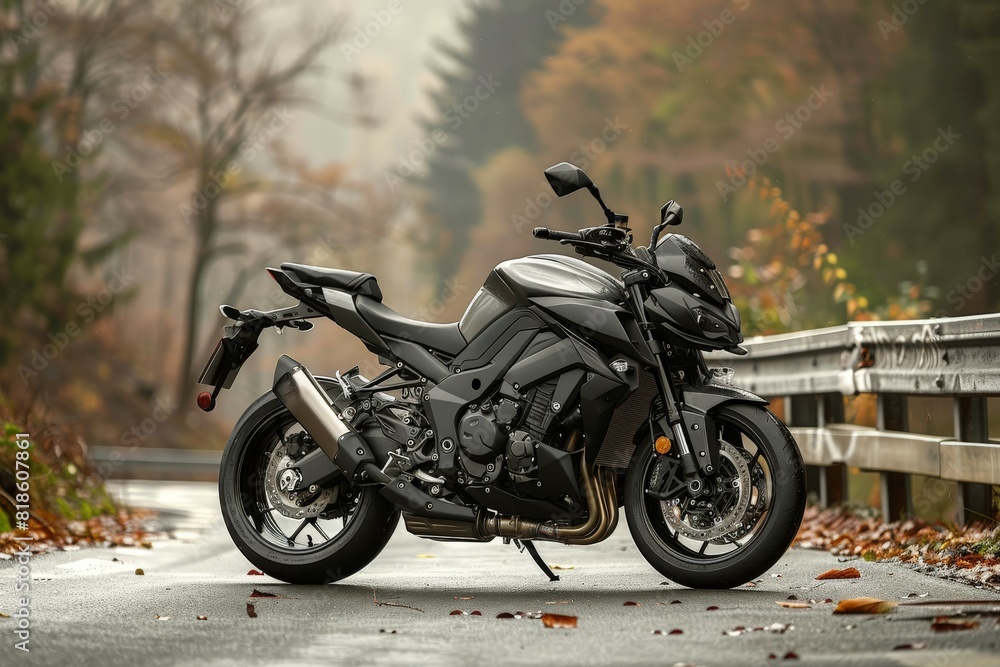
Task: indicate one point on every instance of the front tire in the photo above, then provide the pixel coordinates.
(261, 532)
(762, 486)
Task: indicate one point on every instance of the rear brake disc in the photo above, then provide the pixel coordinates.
(279, 480)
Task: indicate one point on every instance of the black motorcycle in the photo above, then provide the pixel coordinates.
(561, 395)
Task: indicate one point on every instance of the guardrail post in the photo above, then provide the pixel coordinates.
(805, 410)
(975, 501)
(832, 478)
(895, 486)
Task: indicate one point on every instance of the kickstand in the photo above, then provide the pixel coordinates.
(527, 545)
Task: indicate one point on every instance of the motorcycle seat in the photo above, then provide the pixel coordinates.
(442, 337)
(355, 282)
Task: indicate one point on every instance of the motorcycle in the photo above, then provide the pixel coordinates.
(562, 395)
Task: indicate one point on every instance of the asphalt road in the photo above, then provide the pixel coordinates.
(87, 608)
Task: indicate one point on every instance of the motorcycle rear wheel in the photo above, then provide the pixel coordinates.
(315, 554)
(762, 488)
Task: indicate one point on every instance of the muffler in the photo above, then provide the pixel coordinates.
(299, 391)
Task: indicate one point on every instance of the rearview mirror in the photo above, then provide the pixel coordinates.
(671, 213)
(566, 179)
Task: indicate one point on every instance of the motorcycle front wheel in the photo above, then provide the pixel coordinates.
(302, 539)
(744, 522)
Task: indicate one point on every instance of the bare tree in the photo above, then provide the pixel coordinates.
(234, 107)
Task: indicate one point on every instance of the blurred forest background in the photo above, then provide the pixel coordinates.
(841, 158)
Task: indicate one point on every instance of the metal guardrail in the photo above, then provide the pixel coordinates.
(156, 463)
(813, 370)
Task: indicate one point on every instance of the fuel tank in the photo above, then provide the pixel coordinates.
(515, 281)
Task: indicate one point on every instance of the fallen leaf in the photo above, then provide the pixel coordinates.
(791, 655)
(864, 606)
(676, 631)
(711, 608)
(629, 603)
(675, 602)
(558, 621)
(505, 614)
(791, 605)
(139, 571)
(263, 594)
(562, 567)
(948, 624)
(250, 611)
(847, 573)
(476, 613)
(457, 612)
(658, 632)
(916, 646)
(201, 617)
(255, 573)
(4, 614)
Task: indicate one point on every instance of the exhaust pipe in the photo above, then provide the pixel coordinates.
(299, 391)
(602, 511)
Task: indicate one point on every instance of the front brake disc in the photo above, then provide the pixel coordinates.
(680, 519)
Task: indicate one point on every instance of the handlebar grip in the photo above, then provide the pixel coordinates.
(555, 234)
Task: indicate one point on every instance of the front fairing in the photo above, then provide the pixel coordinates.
(694, 308)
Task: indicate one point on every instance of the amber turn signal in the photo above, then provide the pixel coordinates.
(662, 444)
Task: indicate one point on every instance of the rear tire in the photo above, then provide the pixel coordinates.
(676, 555)
(365, 531)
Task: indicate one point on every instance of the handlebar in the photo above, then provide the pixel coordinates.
(555, 234)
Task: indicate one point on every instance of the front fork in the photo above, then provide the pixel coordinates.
(634, 281)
